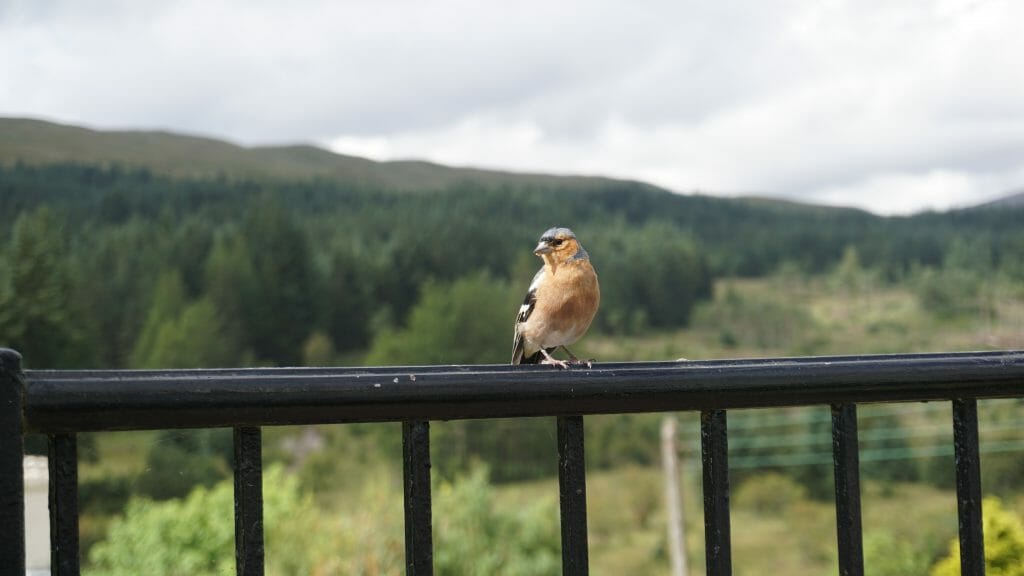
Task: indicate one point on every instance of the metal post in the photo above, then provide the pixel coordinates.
(248, 501)
(846, 463)
(572, 488)
(12, 472)
(63, 464)
(714, 442)
(419, 535)
(968, 487)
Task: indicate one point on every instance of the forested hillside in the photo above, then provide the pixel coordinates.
(119, 267)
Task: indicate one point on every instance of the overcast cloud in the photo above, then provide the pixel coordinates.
(895, 106)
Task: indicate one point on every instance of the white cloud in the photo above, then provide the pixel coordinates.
(819, 101)
(905, 193)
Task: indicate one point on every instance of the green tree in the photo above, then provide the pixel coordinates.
(284, 308)
(116, 269)
(195, 536)
(184, 244)
(962, 286)
(1004, 544)
(196, 339)
(466, 322)
(36, 316)
(348, 300)
(183, 335)
(231, 285)
(850, 275)
(651, 276)
(166, 305)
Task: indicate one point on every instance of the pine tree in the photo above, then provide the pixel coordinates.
(35, 312)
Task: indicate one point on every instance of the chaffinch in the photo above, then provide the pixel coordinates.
(560, 303)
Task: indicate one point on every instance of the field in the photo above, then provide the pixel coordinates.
(792, 315)
(769, 535)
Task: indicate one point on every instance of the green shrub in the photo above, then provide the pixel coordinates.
(768, 494)
(1004, 544)
(949, 293)
(195, 536)
(475, 538)
(887, 555)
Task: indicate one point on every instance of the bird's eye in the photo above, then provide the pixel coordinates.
(557, 242)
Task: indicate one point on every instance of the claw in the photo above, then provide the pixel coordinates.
(574, 360)
(556, 362)
(549, 359)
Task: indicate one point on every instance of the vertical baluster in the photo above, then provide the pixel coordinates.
(12, 466)
(572, 489)
(63, 465)
(968, 487)
(714, 444)
(248, 501)
(846, 462)
(419, 534)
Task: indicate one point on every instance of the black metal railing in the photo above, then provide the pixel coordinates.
(63, 403)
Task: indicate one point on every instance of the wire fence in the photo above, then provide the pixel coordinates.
(757, 440)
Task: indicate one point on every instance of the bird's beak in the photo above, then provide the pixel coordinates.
(542, 248)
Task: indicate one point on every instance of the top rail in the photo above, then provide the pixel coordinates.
(77, 400)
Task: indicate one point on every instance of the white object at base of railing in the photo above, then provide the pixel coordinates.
(37, 516)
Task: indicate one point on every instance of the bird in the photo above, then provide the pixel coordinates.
(560, 304)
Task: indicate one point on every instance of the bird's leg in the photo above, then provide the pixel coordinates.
(574, 360)
(549, 359)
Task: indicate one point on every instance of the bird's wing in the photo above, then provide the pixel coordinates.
(529, 303)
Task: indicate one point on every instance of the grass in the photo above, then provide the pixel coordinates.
(790, 315)
(627, 530)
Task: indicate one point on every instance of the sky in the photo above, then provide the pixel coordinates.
(894, 106)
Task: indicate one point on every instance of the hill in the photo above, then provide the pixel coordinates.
(37, 142)
(1011, 200)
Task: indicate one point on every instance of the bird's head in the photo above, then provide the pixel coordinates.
(559, 245)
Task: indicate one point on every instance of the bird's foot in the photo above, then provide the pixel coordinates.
(589, 363)
(549, 359)
(556, 362)
(576, 361)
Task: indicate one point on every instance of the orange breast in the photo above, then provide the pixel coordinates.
(566, 304)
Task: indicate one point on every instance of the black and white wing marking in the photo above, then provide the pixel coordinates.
(529, 303)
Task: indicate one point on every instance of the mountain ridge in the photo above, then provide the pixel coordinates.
(41, 142)
(1014, 199)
